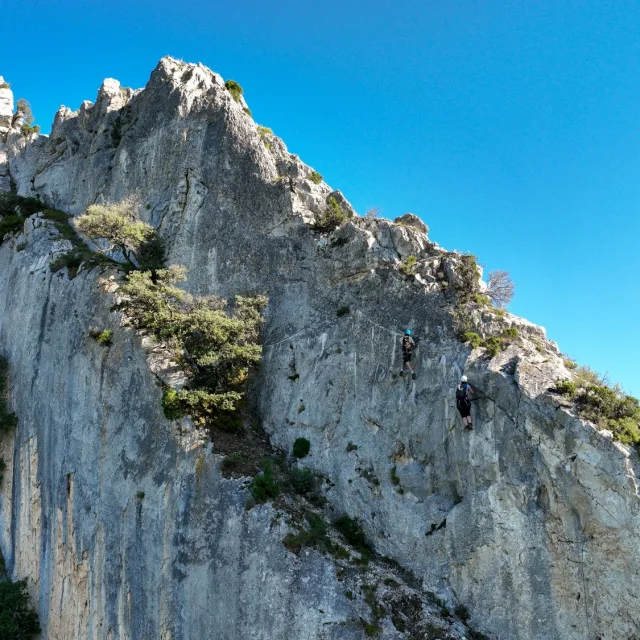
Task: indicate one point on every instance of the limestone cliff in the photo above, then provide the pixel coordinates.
(122, 520)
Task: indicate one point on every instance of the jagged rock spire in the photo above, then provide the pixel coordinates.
(6, 115)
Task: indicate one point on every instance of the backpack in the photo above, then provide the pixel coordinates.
(407, 344)
(462, 392)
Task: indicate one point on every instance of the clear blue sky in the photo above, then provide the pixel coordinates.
(511, 127)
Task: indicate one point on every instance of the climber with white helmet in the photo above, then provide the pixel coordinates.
(463, 401)
(408, 343)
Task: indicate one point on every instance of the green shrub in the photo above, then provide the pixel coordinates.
(393, 476)
(469, 274)
(10, 224)
(331, 218)
(8, 420)
(234, 89)
(493, 344)
(342, 311)
(264, 132)
(352, 533)
(301, 448)
(140, 495)
(5, 85)
(3, 468)
(103, 337)
(118, 224)
(247, 111)
(570, 364)
(511, 333)
(314, 535)
(302, 480)
(173, 407)
(408, 266)
(264, 486)
(18, 620)
(565, 387)
(217, 342)
(11, 203)
(233, 461)
(351, 447)
(315, 177)
(481, 300)
(472, 338)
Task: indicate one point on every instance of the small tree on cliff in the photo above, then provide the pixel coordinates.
(118, 224)
(500, 288)
(218, 342)
(18, 621)
(24, 108)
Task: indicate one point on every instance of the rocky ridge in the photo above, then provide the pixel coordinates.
(529, 521)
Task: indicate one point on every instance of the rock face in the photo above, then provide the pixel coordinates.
(6, 115)
(530, 521)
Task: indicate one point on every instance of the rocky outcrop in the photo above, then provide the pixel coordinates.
(6, 115)
(530, 521)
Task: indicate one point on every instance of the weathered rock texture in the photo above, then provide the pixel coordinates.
(530, 521)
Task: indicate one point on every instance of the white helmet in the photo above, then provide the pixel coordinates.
(463, 379)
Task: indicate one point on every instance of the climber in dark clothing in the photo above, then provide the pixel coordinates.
(463, 401)
(408, 343)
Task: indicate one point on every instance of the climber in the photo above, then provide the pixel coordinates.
(463, 401)
(407, 347)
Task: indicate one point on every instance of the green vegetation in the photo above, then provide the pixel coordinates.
(478, 298)
(264, 486)
(265, 132)
(472, 338)
(302, 480)
(314, 535)
(315, 177)
(469, 274)
(23, 107)
(352, 532)
(14, 210)
(234, 89)
(301, 448)
(18, 621)
(118, 225)
(247, 111)
(493, 344)
(606, 406)
(5, 85)
(331, 218)
(3, 468)
(216, 342)
(140, 495)
(408, 266)
(103, 337)
(570, 364)
(351, 447)
(393, 476)
(8, 420)
(342, 311)
(565, 388)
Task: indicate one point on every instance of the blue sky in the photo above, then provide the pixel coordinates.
(511, 127)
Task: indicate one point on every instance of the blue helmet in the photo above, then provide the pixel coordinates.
(407, 332)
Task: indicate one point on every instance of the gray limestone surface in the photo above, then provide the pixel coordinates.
(530, 520)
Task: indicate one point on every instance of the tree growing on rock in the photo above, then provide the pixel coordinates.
(118, 224)
(216, 341)
(24, 108)
(500, 288)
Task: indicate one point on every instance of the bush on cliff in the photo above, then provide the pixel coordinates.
(118, 224)
(216, 342)
(18, 621)
(7, 420)
(606, 406)
(330, 218)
